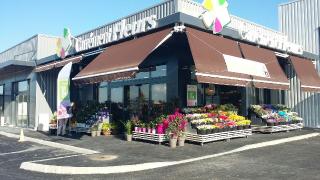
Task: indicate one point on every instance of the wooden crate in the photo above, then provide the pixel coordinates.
(159, 138)
(218, 136)
(279, 128)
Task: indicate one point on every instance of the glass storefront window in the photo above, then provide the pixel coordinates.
(159, 93)
(160, 71)
(103, 92)
(142, 75)
(117, 95)
(23, 86)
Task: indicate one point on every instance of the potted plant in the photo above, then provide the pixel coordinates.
(99, 128)
(181, 138)
(128, 130)
(152, 126)
(114, 128)
(149, 130)
(176, 126)
(136, 123)
(94, 130)
(106, 128)
(143, 127)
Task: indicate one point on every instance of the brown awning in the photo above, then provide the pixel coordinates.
(275, 77)
(121, 61)
(208, 54)
(57, 64)
(307, 74)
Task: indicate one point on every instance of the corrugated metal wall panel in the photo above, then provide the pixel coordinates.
(300, 20)
(25, 51)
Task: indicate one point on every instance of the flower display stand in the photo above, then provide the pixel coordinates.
(159, 138)
(218, 136)
(279, 128)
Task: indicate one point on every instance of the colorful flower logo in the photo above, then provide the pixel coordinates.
(217, 16)
(64, 44)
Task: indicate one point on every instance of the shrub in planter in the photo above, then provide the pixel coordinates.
(106, 128)
(94, 130)
(128, 129)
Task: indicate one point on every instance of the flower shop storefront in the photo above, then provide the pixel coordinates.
(206, 82)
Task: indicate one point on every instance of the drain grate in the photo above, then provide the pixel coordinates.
(101, 157)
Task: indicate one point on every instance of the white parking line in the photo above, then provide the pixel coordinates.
(22, 151)
(31, 166)
(52, 144)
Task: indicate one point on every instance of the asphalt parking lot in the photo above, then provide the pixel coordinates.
(293, 160)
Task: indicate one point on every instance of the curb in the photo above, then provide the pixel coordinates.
(69, 170)
(51, 144)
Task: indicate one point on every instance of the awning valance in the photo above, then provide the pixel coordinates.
(122, 61)
(57, 64)
(208, 53)
(307, 74)
(274, 77)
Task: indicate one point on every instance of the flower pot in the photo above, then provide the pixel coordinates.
(106, 133)
(149, 130)
(153, 131)
(144, 130)
(98, 133)
(214, 131)
(160, 129)
(208, 131)
(181, 141)
(129, 137)
(93, 133)
(239, 127)
(201, 131)
(173, 142)
(137, 129)
(270, 124)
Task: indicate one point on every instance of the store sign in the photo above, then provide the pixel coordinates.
(116, 32)
(63, 92)
(64, 44)
(192, 95)
(246, 66)
(263, 36)
(217, 16)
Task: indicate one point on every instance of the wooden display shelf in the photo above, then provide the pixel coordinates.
(279, 128)
(218, 136)
(159, 138)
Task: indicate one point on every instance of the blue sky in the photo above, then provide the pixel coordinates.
(21, 19)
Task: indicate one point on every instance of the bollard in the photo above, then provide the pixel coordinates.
(21, 139)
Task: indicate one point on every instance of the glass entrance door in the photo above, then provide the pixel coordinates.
(21, 98)
(1, 101)
(139, 100)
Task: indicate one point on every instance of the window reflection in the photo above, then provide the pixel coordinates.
(160, 71)
(159, 93)
(103, 92)
(117, 95)
(142, 75)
